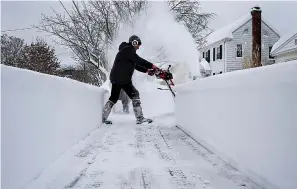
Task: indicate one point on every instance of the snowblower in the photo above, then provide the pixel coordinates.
(167, 76)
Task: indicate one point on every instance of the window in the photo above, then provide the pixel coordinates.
(219, 52)
(214, 54)
(239, 50)
(295, 41)
(271, 57)
(203, 55)
(245, 32)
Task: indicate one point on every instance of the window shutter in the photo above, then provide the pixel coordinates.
(214, 54)
(271, 57)
(221, 48)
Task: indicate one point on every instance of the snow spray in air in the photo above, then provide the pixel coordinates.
(164, 42)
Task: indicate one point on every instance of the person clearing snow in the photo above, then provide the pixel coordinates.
(121, 73)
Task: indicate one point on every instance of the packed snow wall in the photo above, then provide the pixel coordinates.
(41, 117)
(249, 118)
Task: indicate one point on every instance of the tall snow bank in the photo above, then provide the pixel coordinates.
(249, 117)
(42, 116)
(157, 102)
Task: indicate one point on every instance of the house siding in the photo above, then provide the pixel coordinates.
(217, 66)
(234, 63)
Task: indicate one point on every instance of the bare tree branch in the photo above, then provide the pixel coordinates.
(90, 27)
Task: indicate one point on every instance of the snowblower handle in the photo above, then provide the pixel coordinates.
(168, 68)
(166, 75)
(171, 74)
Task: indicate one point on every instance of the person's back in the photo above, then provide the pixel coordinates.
(123, 66)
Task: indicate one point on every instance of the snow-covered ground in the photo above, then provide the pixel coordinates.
(126, 155)
(248, 118)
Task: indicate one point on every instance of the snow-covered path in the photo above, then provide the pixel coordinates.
(125, 155)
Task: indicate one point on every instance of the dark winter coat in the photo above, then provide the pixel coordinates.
(125, 62)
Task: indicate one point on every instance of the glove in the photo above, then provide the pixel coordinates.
(152, 71)
(164, 75)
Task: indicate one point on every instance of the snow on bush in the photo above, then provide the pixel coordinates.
(42, 116)
(249, 117)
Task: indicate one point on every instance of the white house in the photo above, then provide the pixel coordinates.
(229, 47)
(285, 49)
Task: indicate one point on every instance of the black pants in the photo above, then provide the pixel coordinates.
(130, 90)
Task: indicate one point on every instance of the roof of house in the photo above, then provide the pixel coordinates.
(227, 31)
(283, 40)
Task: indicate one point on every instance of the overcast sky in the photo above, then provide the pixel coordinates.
(22, 14)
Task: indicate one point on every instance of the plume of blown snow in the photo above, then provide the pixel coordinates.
(158, 30)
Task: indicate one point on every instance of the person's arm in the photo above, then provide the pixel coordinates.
(141, 69)
(141, 64)
(145, 66)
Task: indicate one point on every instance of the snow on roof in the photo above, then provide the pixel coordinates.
(283, 40)
(205, 65)
(226, 32)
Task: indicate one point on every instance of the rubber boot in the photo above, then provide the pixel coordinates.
(106, 111)
(138, 112)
